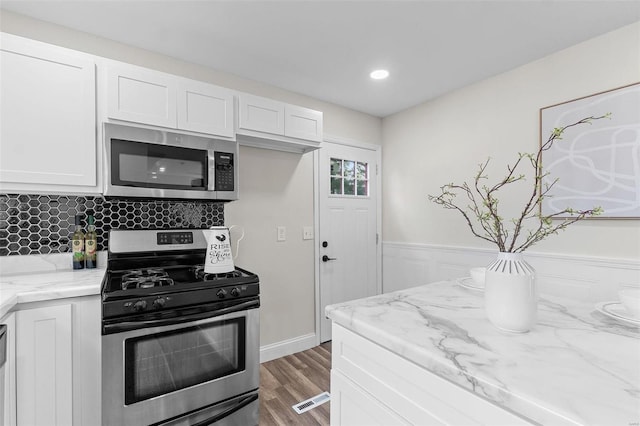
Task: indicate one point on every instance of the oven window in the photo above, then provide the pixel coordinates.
(158, 166)
(166, 362)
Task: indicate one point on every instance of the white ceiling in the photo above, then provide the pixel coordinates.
(326, 49)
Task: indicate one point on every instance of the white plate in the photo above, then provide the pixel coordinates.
(468, 282)
(616, 311)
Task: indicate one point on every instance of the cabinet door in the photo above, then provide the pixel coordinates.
(205, 108)
(87, 360)
(353, 406)
(261, 114)
(47, 114)
(8, 418)
(302, 123)
(43, 366)
(141, 95)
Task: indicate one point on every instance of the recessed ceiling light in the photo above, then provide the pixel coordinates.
(379, 74)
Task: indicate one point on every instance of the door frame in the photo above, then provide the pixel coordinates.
(316, 217)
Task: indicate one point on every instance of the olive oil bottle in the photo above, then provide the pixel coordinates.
(90, 244)
(77, 245)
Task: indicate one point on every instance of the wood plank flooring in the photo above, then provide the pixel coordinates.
(292, 379)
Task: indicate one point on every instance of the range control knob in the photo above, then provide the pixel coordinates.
(221, 293)
(140, 305)
(235, 292)
(159, 303)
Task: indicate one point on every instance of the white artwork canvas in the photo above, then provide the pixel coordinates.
(596, 164)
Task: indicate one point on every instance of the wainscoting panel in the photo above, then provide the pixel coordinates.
(591, 279)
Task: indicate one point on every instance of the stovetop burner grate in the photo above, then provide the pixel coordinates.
(201, 275)
(146, 278)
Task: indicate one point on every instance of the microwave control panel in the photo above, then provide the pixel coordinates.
(224, 171)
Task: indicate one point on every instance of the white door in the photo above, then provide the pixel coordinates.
(348, 249)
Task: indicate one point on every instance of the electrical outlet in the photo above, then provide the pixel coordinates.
(282, 233)
(307, 232)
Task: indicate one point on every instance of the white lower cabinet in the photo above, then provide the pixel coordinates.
(8, 397)
(58, 370)
(371, 385)
(44, 356)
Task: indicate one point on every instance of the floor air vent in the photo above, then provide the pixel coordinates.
(310, 403)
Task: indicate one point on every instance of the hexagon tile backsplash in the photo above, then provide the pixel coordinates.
(42, 224)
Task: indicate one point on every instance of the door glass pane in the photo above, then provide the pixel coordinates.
(336, 167)
(336, 185)
(363, 187)
(165, 362)
(349, 187)
(361, 171)
(349, 168)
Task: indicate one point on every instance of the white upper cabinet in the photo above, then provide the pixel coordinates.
(145, 96)
(205, 108)
(260, 114)
(266, 123)
(47, 116)
(140, 95)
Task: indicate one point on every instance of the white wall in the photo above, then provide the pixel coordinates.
(444, 140)
(276, 188)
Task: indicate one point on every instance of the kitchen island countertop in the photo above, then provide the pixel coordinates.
(576, 366)
(42, 286)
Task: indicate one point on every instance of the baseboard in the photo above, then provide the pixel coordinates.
(287, 347)
(587, 278)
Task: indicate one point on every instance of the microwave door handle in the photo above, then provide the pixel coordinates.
(211, 184)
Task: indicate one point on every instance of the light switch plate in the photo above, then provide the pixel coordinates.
(282, 233)
(307, 232)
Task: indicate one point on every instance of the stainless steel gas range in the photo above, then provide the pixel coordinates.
(179, 346)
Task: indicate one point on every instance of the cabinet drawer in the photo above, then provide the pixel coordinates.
(408, 389)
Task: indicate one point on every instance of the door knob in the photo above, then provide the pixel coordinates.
(326, 258)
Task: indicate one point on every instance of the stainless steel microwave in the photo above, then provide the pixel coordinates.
(148, 163)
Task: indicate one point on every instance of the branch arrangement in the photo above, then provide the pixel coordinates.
(483, 202)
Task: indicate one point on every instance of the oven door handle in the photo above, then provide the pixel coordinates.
(123, 326)
(241, 404)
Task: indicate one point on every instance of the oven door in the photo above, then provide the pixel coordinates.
(155, 374)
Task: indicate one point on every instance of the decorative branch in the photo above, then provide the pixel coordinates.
(484, 201)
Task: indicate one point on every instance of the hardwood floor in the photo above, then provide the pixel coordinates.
(292, 379)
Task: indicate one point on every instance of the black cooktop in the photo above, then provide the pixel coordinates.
(146, 275)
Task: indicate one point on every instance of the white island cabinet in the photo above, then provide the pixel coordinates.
(429, 356)
(47, 111)
(140, 95)
(58, 371)
(371, 385)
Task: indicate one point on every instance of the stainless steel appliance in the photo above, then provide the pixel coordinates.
(147, 163)
(179, 346)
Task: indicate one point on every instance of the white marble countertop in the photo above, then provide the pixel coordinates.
(576, 366)
(23, 287)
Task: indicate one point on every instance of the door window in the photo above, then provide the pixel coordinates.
(349, 177)
(161, 363)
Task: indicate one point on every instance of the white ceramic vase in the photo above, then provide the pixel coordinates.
(510, 293)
